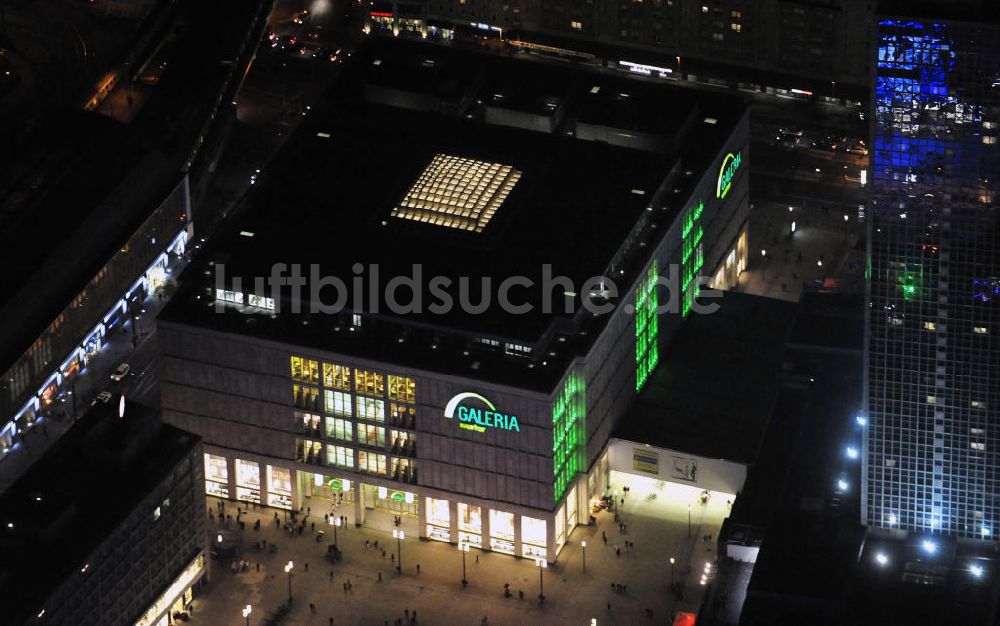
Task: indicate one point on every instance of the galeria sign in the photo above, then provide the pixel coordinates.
(478, 418)
(729, 166)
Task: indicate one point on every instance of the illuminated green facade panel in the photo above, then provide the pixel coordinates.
(647, 354)
(692, 257)
(568, 413)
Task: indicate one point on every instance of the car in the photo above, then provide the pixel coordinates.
(790, 130)
(856, 146)
(104, 397)
(313, 33)
(787, 140)
(120, 372)
(300, 17)
(825, 144)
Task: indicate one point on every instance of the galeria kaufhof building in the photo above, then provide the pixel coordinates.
(486, 427)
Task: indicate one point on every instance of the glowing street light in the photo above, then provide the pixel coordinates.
(463, 547)
(398, 535)
(976, 570)
(852, 452)
(288, 570)
(842, 485)
(583, 545)
(929, 546)
(246, 613)
(882, 559)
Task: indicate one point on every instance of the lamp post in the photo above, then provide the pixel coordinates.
(672, 561)
(583, 544)
(288, 570)
(689, 521)
(541, 563)
(398, 535)
(463, 547)
(763, 265)
(336, 522)
(246, 613)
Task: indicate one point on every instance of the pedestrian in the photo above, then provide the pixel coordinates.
(376, 544)
(383, 554)
(312, 608)
(331, 575)
(609, 606)
(406, 612)
(314, 526)
(393, 555)
(258, 566)
(331, 621)
(618, 551)
(418, 569)
(477, 559)
(326, 518)
(350, 587)
(604, 536)
(380, 577)
(520, 594)
(367, 543)
(345, 587)
(307, 567)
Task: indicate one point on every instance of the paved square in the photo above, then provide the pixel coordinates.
(657, 526)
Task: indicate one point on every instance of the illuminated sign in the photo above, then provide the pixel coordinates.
(121, 407)
(478, 418)
(726, 173)
(381, 13)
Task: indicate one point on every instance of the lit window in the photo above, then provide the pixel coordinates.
(402, 388)
(718, 36)
(980, 330)
(458, 193)
(368, 382)
(341, 429)
(576, 25)
(340, 456)
(931, 399)
(977, 431)
(306, 370)
(736, 27)
(978, 404)
(369, 435)
(337, 376)
(370, 408)
(371, 463)
(930, 326)
(978, 445)
(356, 319)
(337, 402)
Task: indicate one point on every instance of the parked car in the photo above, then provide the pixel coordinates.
(120, 372)
(104, 397)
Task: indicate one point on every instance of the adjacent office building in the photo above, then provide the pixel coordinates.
(473, 423)
(91, 223)
(108, 528)
(807, 45)
(933, 419)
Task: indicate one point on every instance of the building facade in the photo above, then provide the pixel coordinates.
(933, 403)
(822, 43)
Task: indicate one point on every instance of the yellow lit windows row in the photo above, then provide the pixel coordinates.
(337, 376)
(306, 370)
(305, 397)
(369, 435)
(370, 383)
(402, 388)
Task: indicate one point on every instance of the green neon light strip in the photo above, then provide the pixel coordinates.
(646, 327)
(568, 434)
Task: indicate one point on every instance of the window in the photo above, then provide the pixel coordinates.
(340, 456)
(370, 435)
(371, 463)
(307, 422)
(402, 388)
(370, 408)
(355, 319)
(931, 399)
(337, 428)
(517, 349)
(402, 414)
(978, 445)
(305, 370)
(980, 330)
(260, 302)
(337, 402)
(930, 326)
(367, 382)
(305, 397)
(576, 25)
(978, 404)
(337, 376)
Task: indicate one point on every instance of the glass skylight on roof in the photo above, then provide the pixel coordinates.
(458, 193)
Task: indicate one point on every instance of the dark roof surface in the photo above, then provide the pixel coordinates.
(715, 387)
(327, 198)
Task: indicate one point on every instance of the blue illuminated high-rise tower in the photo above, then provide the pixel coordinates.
(932, 453)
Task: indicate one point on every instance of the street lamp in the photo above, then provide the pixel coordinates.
(288, 570)
(583, 544)
(463, 547)
(246, 613)
(763, 264)
(398, 535)
(689, 521)
(335, 522)
(672, 561)
(541, 563)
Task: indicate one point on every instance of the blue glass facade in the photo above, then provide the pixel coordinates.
(933, 362)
